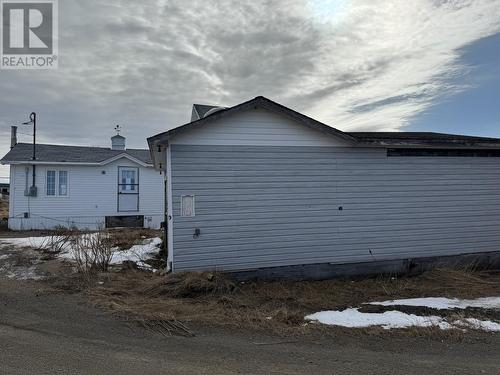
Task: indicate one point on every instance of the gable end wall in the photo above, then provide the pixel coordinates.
(266, 198)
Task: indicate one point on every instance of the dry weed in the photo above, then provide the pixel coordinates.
(4, 208)
(279, 307)
(191, 284)
(126, 238)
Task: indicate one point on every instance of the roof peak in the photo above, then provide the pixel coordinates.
(263, 103)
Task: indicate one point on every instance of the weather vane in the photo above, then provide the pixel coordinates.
(118, 129)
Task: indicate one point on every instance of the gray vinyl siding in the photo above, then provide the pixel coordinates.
(263, 206)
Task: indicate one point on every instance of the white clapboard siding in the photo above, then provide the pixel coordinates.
(257, 208)
(92, 195)
(256, 127)
(272, 192)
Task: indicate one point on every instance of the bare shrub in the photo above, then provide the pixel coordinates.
(92, 252)
(56, 241)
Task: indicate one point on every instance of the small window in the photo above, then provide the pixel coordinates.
(51, 183)
(56, 183)
(187, 205)
(63, 183)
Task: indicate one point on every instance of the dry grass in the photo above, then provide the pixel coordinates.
(191, 285)
(278, 307)
(4, 208)
(126, 238)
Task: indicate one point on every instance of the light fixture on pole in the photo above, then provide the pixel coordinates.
(33, 189)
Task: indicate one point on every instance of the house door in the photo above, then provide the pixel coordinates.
(128, 189)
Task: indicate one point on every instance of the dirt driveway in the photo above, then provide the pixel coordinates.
(42, 332)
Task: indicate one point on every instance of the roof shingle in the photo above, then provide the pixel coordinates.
(70, 154)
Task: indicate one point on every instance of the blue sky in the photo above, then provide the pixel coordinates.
(476, 110)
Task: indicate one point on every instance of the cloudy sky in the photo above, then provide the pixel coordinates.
(393, 65)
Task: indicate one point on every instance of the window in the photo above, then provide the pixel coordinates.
(51, 183)
(128, 189)
(63, 183)
(59, 177)
(128, 180)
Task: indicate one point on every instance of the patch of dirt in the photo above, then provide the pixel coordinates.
(20, 264)
(26, 263)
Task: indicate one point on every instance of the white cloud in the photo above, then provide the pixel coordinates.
(359, 65)
(400, 55)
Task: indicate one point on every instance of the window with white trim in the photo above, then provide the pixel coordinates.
(51, 183)
(63, 183)
(56, 183)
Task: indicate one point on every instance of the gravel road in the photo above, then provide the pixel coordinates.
(42, 332)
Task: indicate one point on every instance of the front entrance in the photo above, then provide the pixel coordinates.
(128, 189)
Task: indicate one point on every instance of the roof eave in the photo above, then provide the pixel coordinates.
(153, 144)
(429, 145)
(101, 163)
(38, 162)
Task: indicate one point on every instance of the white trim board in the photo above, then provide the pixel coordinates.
(104, 162)
(170, 214)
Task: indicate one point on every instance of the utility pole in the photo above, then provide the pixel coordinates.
(33, 191)
(33, 120)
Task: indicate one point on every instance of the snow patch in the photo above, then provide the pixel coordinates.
(353, 318)
(442, 303)
(390, 319)
(137, 253)
(34, 242)
(473, 323)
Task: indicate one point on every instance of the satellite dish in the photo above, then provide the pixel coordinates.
(213, 110)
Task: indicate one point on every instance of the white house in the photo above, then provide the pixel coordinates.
(259, 187)
(84, 187)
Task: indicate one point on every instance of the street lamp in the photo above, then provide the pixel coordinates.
(33, 191)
